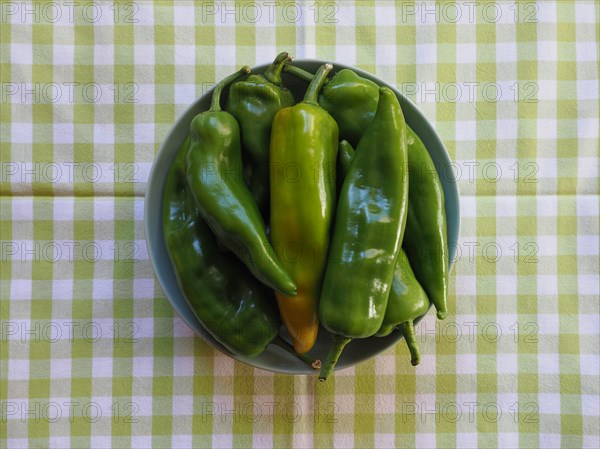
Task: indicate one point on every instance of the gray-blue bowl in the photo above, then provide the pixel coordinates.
(274, 358)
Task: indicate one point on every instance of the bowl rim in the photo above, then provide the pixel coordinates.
(415, 119)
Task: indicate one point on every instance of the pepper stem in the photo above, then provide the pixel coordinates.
(408, 331)
(312, 92)
(215, 103)
(298, 72)
(273, 72)
(339, 343)
(313, 363)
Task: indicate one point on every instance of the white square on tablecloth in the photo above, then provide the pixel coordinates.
(18, 368)
(102, 366)
(507, 363)
(62, 289)
(181, 441)
(588, 284)
(346, 53)
(508, 440)
(104, 133)
(303, 440)
(64, 133)
(61, 368)
(425, 440)
(586, 51)
(343, 440)
(143, 366)
(184, 15)
(384, 440)
(102, 288)
(466, 53)
(183, 405)
(385, 15)
(506, 52)
(143, 55)
(222, 441)
(104, 54)
(588, 128)
(184, 55)
(20, 289)
(466, 440)
(466, 363)
(22, 132)
(547, 285)
(549, 403)
(426, 54)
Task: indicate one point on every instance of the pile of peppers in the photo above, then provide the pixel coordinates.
(294, 218)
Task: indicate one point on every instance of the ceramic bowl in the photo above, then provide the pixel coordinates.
(274, 358)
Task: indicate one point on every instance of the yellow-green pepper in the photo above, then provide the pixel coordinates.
(304, 142)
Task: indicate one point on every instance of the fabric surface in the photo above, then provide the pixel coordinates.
(93, 355)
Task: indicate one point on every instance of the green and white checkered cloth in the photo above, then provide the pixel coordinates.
(93, 355)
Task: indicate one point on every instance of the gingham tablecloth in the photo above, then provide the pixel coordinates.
(92, 354)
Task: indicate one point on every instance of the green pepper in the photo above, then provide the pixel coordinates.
(406, 303)
(304, 143)
(426, 237)
(233, 306)
(236, 309)
(254, 103)
(215, 176)
(368, 231)
(350, 99)
(426, 241)
(407, 300)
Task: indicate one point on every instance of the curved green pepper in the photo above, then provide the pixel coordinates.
(406, 303)
(236, 309)
(368, 231)
(304, 145)
(254, 103)
(215, 176)
(426, 237)
(407, 300)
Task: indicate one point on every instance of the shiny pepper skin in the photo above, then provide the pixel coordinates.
(215, 177)
(304, 144)
(234, 307)
(369, 226)
(426, 240)
(254, 103)
(407, 302)
(426, 237)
